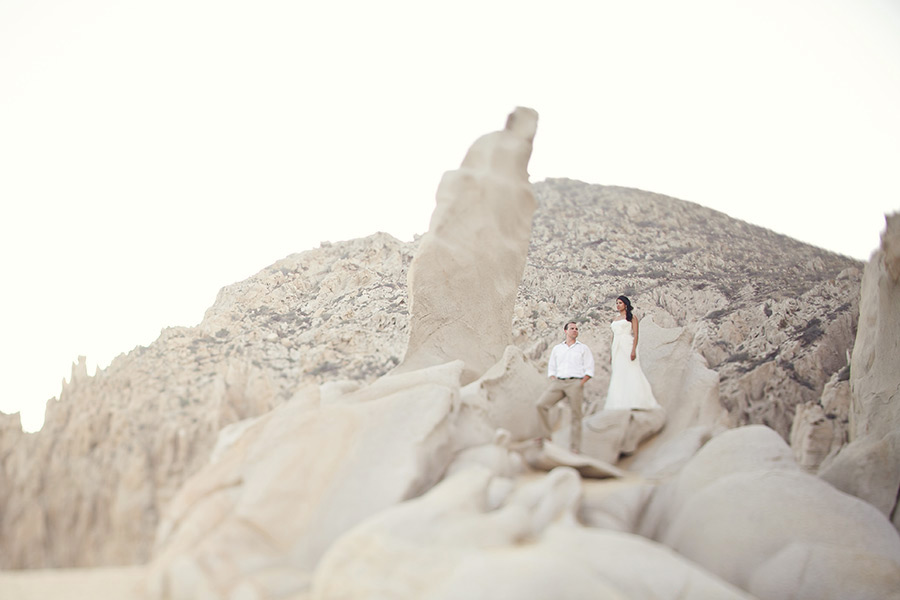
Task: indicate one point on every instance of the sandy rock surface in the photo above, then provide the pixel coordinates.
(274, 451)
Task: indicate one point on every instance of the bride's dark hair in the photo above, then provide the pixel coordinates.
(627, 304)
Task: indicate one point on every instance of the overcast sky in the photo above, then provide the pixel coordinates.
(153, 152)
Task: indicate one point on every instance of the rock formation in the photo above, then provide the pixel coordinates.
(744, 510)
(464, 279)
(284, 451)
(821, 428)
(261, 516)
(474, 536)
(773, 318)
(363, 451)
(869, 467)
(117, 446)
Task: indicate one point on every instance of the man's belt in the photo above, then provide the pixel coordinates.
(564, 378)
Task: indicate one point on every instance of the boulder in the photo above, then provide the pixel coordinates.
(682, 383)
(609, 434)
(742, 503)
(263, 514)
(464, 540)
(505, 397)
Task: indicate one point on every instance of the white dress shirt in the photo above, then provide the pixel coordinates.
(570, 361)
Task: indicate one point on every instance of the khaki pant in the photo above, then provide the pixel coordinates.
(573, 391)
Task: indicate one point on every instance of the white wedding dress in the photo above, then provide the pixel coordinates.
(628, 387)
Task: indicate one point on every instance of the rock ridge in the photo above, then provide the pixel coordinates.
(773, 317)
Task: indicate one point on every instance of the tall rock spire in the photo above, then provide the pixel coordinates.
(869, 466)
(464, 278)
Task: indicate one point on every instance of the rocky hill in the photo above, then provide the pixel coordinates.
(775, 318)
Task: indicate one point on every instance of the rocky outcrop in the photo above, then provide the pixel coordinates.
(869, 467)
(113, 450)
(261, 516)
(365, 450)
(464, 279)
(117, 446)
(749, 520)
(475, 536)
(773, 317)
(416, 486)
(771, 320)
(744, 510)
(821, 429)
(424, 484)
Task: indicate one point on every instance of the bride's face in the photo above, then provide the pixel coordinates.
(620, 306)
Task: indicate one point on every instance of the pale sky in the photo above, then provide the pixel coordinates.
(153, 152)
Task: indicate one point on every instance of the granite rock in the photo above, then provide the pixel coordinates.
(194, 439)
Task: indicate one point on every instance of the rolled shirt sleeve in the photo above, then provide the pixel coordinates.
(554, 358)
(588, 361)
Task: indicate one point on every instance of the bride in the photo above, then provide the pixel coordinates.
(628, 387)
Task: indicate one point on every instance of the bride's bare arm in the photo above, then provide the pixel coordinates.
(634, 331)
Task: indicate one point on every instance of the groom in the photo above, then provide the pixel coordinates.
(571, 365)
